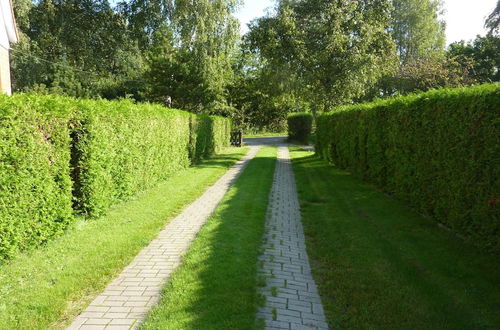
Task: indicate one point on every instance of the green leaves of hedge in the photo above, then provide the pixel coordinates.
(35, 188)
(436, 150)
(125, 148)
(60, 156)
(300, 127)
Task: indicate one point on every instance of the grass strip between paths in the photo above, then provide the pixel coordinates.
(48, 287)
(268, 134)
(216, 285)
(378, 265)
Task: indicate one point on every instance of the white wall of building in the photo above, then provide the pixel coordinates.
(8, 35)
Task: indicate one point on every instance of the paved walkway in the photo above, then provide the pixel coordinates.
(292, 300)
(275, 141)
(127, 299)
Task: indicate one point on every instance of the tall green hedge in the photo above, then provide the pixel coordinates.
(35, 187)
(60, 156)
(124, 148)
(121, 148)
(299, 127)
(439, 151)
(208, 135)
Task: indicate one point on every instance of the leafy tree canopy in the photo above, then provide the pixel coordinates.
(493, 21)
(336, 48)
(417, 29)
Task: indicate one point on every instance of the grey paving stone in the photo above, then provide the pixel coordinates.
(296, 326)
(311, 316)
(300, 303)
(277, 324)
(286, 264)
(316, 323)
(310, 299)
(126, 300)
(289, 319)
(299, 308)
(277, 299)
(288, 312)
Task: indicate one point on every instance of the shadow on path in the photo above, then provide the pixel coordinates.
(215, 286)
(379, 265)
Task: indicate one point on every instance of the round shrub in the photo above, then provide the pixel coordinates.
(300, 127)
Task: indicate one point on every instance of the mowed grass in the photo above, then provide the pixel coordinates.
(379, 265)
(48, 287)
(216, 285)
(265, 134)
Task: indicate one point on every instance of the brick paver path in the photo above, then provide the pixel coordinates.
(292, 300)
(127, 299)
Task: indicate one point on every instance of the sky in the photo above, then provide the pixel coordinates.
(464, 18)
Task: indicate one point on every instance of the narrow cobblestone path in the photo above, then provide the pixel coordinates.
(292, 299)
(127, 299)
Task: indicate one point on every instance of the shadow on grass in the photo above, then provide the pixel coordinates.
(218, 161)
(378, 264)
(47, 287)
(215, 287)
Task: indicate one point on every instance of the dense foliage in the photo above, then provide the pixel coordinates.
(329, 51)
(302, 56)
(174, 52)
(76, 48)
(189, 63)
(434, 150)
(209, 134)
(121, 149)
(417, 29)
(300, 127)
(481, 56)
(35, 187)
(57, 153)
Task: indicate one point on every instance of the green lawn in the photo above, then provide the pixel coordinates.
(216, 285)
(381, 266)
(48, 287)
(267, 134)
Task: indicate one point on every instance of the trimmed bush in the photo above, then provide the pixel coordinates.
(59, 155)
(35, 186)
(300, 127)
(122, 148)
(437, 150)
(220, 131)
(208, 135)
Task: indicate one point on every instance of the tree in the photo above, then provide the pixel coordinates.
(483, 56)
(425, 74)
(493, 21)
(145, 18)
(263, 94)
(191, 58)
(417, 30)
(336, 48)
(60, 55)
(419, 35)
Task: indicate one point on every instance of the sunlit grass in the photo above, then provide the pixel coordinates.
(216, 285)
(264, 134)
(50, 286)
(379, 265)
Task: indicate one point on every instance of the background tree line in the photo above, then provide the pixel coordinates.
(305, 55)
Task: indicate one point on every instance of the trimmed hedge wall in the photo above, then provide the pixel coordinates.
(122, 148)
(208, 135)
(35, 187)
(60, 156)
(437, 150)
(300, 127)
